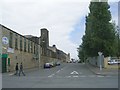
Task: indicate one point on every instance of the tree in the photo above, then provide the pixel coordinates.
(99, 33)
(81, 54)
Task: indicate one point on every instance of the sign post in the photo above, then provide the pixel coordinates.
(0, 57)
(100, 55)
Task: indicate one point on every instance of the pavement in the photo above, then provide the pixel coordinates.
(97, 71)
(25, 70)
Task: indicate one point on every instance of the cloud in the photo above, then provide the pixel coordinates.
(59, 16)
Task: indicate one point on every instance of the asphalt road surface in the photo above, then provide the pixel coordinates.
(67, 75)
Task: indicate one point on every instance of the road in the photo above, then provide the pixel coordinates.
(67, 75)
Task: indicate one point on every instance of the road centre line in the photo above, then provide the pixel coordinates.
(58, 71)
(55, 73)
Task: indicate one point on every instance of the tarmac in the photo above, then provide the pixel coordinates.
(104, 72)
(94, 69)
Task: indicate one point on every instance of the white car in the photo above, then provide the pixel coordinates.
(114, 61)
(110, 62)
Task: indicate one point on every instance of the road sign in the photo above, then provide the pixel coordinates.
(11, 50)
(5, 40)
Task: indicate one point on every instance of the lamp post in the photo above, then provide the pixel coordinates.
(118, 31)
(39, 53)
(0, 56)
(100, 59)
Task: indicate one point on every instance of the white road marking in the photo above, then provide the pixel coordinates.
(74, 72)
(58, 71)
(11, 74)
(62, 69)
(75, 76)
(68, 76)
(100, 76)
(86, 76)
(51, 75)
(55, 73)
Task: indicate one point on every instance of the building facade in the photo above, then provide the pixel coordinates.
(51, 53)
(16, 49)
(32, 51)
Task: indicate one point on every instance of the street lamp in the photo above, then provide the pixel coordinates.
(100, 59)
(118, 32)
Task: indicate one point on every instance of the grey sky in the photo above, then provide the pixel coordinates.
(58, 16)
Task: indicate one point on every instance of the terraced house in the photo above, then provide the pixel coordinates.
(32, 51)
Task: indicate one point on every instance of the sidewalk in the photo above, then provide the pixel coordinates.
(25, 70)
(104, 72)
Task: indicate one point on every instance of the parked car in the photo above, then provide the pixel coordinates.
(114, 61)
(110, 62)
(47, 65)
(52, 64)
(57, 63)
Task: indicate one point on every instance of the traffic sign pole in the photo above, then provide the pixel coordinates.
(100, 55)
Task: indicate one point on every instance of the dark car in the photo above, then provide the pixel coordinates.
(47, 65)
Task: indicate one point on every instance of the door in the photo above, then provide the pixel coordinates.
(4, 66)
(4, 63)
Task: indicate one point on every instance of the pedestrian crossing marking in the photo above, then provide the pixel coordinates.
(78, 76)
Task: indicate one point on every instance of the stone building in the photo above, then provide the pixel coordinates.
(51, 53)
(32, 51)
(16, 49)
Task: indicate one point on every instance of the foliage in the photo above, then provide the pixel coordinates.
(100, 33)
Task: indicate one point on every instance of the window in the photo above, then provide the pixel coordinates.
(28, 46)
(16, 41)
(31, 47)
(24, 44)
(11, 40)
(34, 48)
(21, 43)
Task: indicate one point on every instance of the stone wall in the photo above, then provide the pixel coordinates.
(95, 61)
(107, 66)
